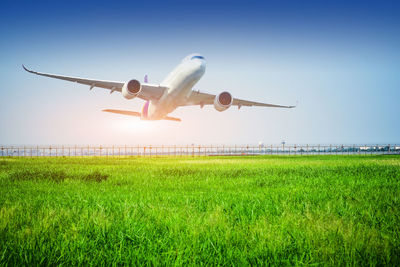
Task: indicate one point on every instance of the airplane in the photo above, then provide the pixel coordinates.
(173, 92)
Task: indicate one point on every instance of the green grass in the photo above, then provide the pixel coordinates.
(323, 210)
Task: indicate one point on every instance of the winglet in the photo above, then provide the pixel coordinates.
(297, 102)
(25, 68)
(28, 70)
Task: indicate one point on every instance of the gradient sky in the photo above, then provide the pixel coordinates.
(340, 60)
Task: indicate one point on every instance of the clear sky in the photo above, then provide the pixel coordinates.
(340, 60)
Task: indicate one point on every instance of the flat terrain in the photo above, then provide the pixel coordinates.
(328, 210)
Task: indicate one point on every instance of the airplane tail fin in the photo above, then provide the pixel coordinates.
(136, 114)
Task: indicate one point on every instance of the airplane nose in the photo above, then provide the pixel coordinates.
(201, 67)
(198, 65)
(201, 64)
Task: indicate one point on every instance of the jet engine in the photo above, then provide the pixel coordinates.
(223, 101)
(131, 89)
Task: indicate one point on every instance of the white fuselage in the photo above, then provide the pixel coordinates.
(179, 83)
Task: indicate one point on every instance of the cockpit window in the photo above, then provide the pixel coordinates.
(199, 57)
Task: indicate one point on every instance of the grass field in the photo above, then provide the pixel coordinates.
(330, 210)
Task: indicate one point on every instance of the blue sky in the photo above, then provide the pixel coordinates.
(340, 60)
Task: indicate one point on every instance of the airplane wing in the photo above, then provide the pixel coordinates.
(148, 92)
(198, 98)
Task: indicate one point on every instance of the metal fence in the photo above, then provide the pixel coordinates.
(195, 150)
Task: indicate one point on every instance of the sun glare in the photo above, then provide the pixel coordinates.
(134, 125)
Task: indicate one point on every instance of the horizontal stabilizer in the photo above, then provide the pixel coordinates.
(136, 114)
(123, 112)
(171, 119)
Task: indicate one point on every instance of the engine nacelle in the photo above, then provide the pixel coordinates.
(223, 101)
(131, 89)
